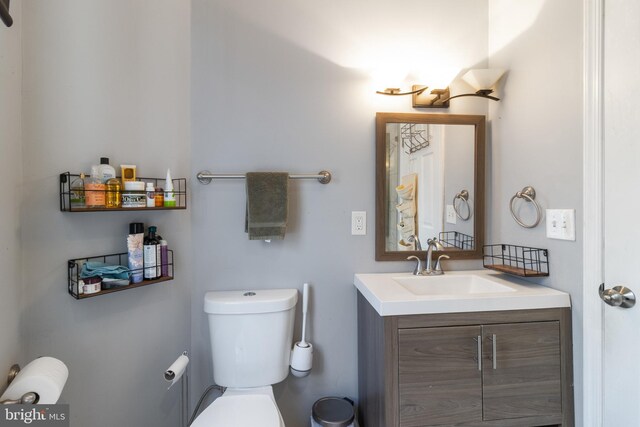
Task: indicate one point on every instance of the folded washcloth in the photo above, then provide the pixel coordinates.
(267, 205)
(110, 271)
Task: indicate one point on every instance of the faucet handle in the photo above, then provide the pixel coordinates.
(438, 266)
(436, 243)
(418, 270)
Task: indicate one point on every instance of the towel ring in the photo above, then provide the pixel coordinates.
(463, 196)
(529, 194)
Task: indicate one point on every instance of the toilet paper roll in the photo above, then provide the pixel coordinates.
(45, 376)
(175, 371)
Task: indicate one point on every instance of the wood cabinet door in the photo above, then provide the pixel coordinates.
(439, 377)
(524, 379)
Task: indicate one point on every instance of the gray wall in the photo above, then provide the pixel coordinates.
(104, 78)
(275, 88)
(11, 177)
(281, 86)
(537, 135)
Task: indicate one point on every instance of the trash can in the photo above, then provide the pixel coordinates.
(333, 412)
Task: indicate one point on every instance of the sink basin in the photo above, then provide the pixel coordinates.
(458, 284)
(395, 294)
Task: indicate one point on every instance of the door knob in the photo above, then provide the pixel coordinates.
(618, 296)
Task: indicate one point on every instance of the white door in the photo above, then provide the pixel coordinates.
(428, 164)
(621, 332)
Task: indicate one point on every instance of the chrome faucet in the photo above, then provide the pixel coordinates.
(428, 269)
(414, 238)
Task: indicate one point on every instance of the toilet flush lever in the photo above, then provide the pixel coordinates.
(26, 399)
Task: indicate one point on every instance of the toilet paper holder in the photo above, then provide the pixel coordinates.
(27, 398)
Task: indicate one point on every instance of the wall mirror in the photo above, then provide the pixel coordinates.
(430, 174)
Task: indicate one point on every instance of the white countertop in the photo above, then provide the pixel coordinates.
(390, 298)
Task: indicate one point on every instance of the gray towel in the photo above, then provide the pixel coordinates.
(267, 205)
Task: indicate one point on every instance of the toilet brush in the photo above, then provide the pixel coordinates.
(302, 352)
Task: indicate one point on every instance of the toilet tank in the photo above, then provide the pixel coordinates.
(251, 335)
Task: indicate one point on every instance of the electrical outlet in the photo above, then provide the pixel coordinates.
(561, 224)
(358, 223)
(451, 215)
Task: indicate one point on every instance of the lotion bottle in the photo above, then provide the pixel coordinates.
(105, 170)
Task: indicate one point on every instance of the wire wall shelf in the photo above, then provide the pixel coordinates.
(69, 195)
(455, 239)
(74, 267)
(520, 261)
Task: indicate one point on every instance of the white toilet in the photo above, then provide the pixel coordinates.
(251, 336)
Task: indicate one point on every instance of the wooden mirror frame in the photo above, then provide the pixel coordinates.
(479, 122)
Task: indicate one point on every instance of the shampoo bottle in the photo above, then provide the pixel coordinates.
(134, 250)
(169, 195)
(151, 258)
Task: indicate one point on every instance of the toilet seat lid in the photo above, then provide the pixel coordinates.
(240, 411)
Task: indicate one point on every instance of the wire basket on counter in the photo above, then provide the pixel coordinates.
(520, 261)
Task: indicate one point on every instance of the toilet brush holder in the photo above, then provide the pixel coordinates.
(301, 359)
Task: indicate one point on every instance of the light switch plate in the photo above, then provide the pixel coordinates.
(451, 215)
(561, 224)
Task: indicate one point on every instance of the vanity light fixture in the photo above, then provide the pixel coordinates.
(395, 91)
(482, 80)
(437, 98)
(4, 13)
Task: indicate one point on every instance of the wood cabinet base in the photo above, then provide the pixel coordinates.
(485, 369)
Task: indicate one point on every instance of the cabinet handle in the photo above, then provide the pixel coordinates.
(494, 345)
(479, 356)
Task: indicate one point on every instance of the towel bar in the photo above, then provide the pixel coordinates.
(205, 177)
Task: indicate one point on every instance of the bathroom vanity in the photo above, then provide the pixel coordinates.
(464, 349)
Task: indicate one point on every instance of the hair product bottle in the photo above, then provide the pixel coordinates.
(164, 258)
(114, 193)
(77, 192)
(151, 258)
(159, 198)
(135, 251)
(151, 202)
(95, 190)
